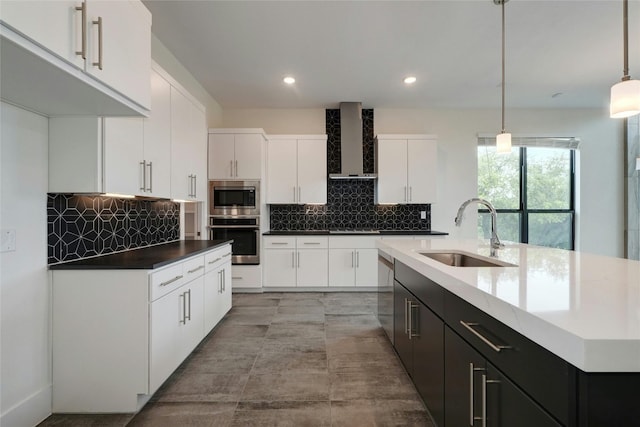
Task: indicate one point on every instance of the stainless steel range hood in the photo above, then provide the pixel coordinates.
(351, 145)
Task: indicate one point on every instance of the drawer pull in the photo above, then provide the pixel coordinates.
(469, 326)
(236, 277)
(226, 255)
(215, 260)
(279, 243)
(168, 282)
(195, 269)
(311, 243)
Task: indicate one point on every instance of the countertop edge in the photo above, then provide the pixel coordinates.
(379, 233)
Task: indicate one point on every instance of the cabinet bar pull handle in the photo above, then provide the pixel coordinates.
(226, 255)
(184, 308)
(214, 261)
(353, 263)
(168, 282)
(357, 259)
(195, 186)
(195, 269)
(469, 326)
(279, 243)
(311, 243)
(294, 194)
(99, 24)
(150, 188)
(236, 168)
(485, 381)
(188, 317)
(472, 371)
(143, 166)
(231, 168)
(412, 306)
(236, 277)
(405, 193)
(224, 280)
(83, 14)
(406, 316)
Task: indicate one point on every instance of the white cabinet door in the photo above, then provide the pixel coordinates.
(282, 184)
(341, 267)
(123, 154)
(157, 139)
(422, 170)
(198, 150)
(248, 156)
(166, 314)
(192, 323)
(54, 24)
(312, 268)
(221, 156)
(312, 171)
(224, 300)
(119, 52)
(280, 268)
(366, 267)
(392, 171)
(212, 290)
(181, 175)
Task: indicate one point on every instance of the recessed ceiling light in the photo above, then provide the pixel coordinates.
(289, 80)
(410, 80)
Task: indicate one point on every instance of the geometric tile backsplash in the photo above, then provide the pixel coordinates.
(84, 226)
(349, 201)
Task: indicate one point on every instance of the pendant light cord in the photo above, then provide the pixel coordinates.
(503, 61)
(625, 37)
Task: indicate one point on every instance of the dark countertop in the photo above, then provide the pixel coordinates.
(143, 258)
(355, 233)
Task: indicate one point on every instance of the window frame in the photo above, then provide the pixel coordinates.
(524, 211)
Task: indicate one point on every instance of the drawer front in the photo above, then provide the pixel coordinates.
(214, 259)
(248, 276)
(550, 383)
(193, 267)
(312, 242)
(353, 242)
(278, 242)
(166, 280)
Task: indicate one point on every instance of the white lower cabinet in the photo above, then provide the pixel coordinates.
(353, 261)
(296, 261)
(119, 334)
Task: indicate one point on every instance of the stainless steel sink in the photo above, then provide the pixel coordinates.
(459, 259)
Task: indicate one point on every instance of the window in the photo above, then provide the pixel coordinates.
(532, 188)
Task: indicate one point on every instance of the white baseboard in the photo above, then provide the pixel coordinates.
(30, 412)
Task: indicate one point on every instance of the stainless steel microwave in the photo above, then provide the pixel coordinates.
(234, 198)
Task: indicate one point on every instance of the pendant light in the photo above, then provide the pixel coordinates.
(503, 139)
(625, 96)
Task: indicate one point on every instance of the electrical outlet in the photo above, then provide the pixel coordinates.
(423, 214)
(7, 240)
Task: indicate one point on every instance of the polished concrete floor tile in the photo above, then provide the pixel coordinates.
(356, 386)
(289, 344)
(230, 330)
(254, 300)
(199, 387)
(300, 318)
(87, 420)
(294, 330)
(358, 345)
(287, 387)
(291, 362)
(189, 414)
(375, 413)
(219, 363)
(365, 363)
(248, 318)
(301, 309)
(282, 414)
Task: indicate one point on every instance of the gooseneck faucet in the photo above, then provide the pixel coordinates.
(495, 241)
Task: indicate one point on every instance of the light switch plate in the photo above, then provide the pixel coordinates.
(423, 214)
(7, 240)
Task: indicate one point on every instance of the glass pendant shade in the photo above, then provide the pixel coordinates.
(503, 143)
(625, 99)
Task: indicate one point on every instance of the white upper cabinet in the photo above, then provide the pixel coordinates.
(236, 153)
(89, 57)
(188, 148)
(407, 169)
(297, 169)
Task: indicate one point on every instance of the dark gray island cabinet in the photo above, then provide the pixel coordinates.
(473, 370)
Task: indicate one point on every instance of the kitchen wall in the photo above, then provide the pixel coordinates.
(350, 202)
(25, 348)
(600, 204)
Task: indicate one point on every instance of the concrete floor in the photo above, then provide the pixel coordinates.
(284, 359)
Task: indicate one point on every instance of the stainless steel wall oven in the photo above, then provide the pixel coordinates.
(245, 233)
(234, 198)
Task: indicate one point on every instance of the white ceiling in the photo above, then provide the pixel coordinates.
(361, 50)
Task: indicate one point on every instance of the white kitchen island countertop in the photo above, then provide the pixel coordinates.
(582, 307)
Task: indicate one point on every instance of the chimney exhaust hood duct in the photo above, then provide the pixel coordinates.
(351, 145)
